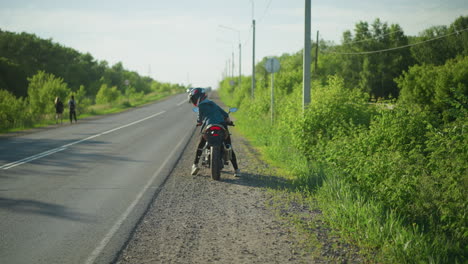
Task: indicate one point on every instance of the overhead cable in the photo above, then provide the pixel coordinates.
(396, 48)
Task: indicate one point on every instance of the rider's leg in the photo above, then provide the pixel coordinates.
(198, 154)
(195, 167)
(233, 157)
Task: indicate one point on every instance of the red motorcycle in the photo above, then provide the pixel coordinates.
(216, 153)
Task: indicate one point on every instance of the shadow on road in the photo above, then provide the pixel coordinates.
(42, 208)
(13, 149)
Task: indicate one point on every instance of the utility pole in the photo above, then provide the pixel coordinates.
(316, 53)
(253, 60)
(232, 74)
(240, 62)
(253, 50)
(307, 59)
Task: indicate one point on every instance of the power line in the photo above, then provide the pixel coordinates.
(437, 7)
(396, 48)
(266, 11)
(251, 26)
(370, 39)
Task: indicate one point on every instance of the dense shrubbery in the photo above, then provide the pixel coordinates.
(392, 176)
(107, 94)
(42, 90)
(12, 111)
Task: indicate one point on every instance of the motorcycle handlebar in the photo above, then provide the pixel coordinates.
(229, 124)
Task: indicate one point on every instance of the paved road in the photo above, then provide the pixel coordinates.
(72, 194)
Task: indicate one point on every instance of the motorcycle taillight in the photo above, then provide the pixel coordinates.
(213, 128)
(215, 132)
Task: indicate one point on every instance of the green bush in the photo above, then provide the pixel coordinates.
(435, 87)
(42, 90)
(83, 102)
(13, 111)
(334, 110)
(107, 95)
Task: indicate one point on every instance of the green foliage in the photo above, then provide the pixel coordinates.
(433, 52)
(107, 95)
(333, 109)
(436, 88)
(373, 73)
(12, 77)
(12, 111)
(83, 101)
(444, 192)
(42, 90)
(391, 175)
(437, 52)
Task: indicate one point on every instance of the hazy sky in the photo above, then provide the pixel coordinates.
(183, 41)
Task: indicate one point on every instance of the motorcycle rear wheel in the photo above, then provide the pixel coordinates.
(215, 162)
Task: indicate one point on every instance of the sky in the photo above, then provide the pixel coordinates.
(191, 42)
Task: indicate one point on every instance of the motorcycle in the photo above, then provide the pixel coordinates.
(216, 153)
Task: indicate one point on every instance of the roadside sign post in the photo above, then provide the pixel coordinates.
(127, 83)
(272, 65)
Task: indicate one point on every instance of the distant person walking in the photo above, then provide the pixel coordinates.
(58, 110)
(72, 108)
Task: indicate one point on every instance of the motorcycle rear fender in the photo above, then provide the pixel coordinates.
(215, 138)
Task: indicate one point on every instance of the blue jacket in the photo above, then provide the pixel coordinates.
(210, 113)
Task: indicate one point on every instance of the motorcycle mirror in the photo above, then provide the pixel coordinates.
(233, 109)
(195, 109)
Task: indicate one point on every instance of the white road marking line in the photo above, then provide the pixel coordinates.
(181, 103)
(100, 247)
(35, 157)
(55, 150)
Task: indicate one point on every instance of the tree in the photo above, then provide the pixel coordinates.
(12, 77)
(440, 89)
(459, 41)
(433, 52)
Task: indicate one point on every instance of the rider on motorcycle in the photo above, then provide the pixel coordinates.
(210, 113)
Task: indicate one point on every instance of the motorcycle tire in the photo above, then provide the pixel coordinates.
(215, 162)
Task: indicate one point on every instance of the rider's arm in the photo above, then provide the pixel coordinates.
(224, 113)
(199, 119)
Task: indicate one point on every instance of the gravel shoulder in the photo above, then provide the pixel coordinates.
(194, 219)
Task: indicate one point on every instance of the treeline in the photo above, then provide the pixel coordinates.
(33, 71)
(390, 175)
(359, 63)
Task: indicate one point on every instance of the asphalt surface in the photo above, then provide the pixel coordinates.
(72, 194)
